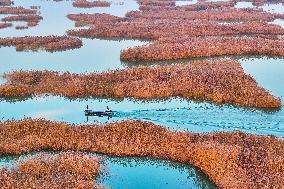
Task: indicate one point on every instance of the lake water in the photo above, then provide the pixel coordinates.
(140, 173)
(95, 55)
(175, 113)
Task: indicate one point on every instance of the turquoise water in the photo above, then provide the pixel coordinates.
(140, 173)
(277, 8)
(184, 2)
(175, 113)
(94, 55)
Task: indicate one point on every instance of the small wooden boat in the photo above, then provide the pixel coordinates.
(108, 113)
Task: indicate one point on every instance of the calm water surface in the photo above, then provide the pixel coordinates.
(140, 173)
(95, 55)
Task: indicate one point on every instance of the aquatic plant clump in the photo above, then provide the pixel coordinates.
(191, 47)
(156, 2)
(5, 25)
(48, 43)
(17, 10)
(64, 170)
(32, 20)
(231, 160)
(90, 4)
(222, 81)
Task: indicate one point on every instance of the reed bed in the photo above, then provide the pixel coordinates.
(93, 19)
(189, 47)
(200, 5)
(32, 20)
(230, 159)
(16, 10)
(143, 28)
(156, 2)
(90, 4)
(48, 43)
(182, 22)
(222, 81)
(64, 170)
(224, 14)
(5, 25)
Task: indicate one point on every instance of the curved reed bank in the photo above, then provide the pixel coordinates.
(192, 47)
(90, 4)
(48, 43)
(65, 170)
(222, 81)
(232, 160)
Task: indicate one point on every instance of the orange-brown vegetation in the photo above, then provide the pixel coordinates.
(232, 160)
(189, 47)
(21, 27)
(16, 10)
(48, 43)
(90, 4)
(32, 20)
(222, 81)
(224, 14)
(21, 14)
(200, 5)
(156, 2)
(147, 28)
(187, 24)
(65, 170)
(5, 25)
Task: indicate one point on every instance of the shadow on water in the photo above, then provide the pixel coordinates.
(141, 101)
(189, 60)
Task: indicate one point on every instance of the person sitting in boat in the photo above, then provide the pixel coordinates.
(108, 109)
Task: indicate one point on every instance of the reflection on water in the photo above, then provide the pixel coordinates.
(94, 55)
(139, 173)
(147, 173)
